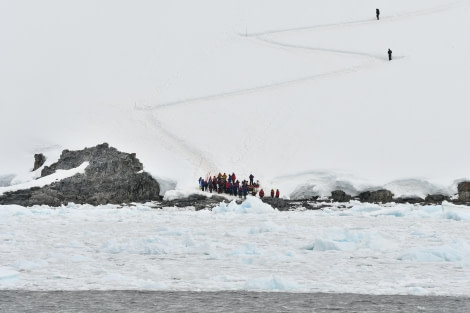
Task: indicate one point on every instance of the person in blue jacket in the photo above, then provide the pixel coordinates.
(245, 190)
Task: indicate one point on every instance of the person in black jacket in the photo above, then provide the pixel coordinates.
(389, 55)
(377, 13)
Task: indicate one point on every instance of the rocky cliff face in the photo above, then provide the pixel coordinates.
(464, 191)
(381, 195)
(111, 177)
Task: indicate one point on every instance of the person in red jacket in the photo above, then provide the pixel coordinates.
(272, 193)
(277, 193)
(261, 193)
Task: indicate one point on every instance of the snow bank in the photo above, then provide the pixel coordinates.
(250, 205)
(445, 211)
(458, 251)
(47, 180)
(183, 193)
(456, 212)
(5, 180)
(26, 174)
(351, 240)
(319, 183)
(417, 188)
(322, 183)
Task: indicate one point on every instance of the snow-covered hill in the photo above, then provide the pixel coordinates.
(300, 93)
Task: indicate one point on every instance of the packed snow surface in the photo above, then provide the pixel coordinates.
(46, 180)
(394, 249)
(299, 93)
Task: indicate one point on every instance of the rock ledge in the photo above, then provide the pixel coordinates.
(111, 177)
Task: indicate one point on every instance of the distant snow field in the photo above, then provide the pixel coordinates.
(372, 249)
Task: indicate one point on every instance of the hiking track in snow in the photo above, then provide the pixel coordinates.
(199, 158)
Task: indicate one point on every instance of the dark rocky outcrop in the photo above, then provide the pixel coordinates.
(435, 199)
(198, 201)
(411, 200)
(203, 202)
(277, 203)
(464, 191)
(340, 196)
(111, 177)
(463, 186)
(117, 177)
(381, 195)
(39, 160)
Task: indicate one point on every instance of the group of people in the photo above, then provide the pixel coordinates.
(229, 184)
(389, 52)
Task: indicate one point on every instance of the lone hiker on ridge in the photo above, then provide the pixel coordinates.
(377, 13)
(389, 55)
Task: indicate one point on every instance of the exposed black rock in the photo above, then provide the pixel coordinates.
(381, 195)
(199, 202)
(411, 200)
(111, 177)
(39, 160)
(277, 203)
(202, 202)
(308, 206)
(340, 196)
(464, 191)
(463, 186)
(435, 199)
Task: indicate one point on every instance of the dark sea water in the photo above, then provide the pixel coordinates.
(156, 301)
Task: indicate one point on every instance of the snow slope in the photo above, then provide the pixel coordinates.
(47, 180)
(280, 89)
